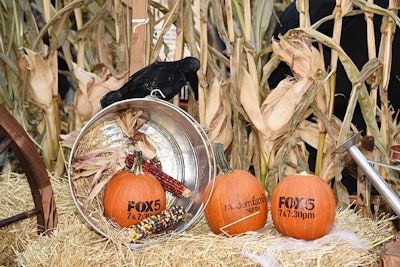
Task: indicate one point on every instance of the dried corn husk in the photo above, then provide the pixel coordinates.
(278, 108)
(91, 88)
(213, 101)
(129, 122)
(218, 113)
(250, 100)
(41, 79)
(306, 63)
(304, 59)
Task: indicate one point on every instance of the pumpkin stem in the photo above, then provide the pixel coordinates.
(137, 168)
(221, 159)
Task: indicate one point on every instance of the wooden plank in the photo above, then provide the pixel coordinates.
(138, 39)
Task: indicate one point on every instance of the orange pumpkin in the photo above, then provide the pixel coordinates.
(130, 197)
(238, 202)
(303, 206)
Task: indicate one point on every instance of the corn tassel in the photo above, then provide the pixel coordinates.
(156, 223)
(169, 183)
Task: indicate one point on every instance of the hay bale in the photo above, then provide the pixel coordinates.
(74, 243)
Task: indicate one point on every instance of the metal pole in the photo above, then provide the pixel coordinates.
(378, 182)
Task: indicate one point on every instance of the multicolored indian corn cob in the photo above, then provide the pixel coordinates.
(169, 183)
(156, 223)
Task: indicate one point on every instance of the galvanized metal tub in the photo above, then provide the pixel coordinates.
(183, 149)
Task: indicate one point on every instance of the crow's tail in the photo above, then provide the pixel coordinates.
(110, 98)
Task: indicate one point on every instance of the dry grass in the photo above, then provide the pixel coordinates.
(74, 243)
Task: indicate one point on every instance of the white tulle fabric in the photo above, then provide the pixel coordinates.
(327, 242)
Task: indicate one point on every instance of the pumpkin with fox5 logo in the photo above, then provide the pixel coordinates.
(303, 206)
(133, 195)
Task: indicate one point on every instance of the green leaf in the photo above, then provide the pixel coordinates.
(262, 13)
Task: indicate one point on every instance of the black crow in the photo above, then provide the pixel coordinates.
(167, 78)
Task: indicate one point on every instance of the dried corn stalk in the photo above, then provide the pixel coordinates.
(41, 83)
(388, 29)
(286, 107)
(358, 94)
